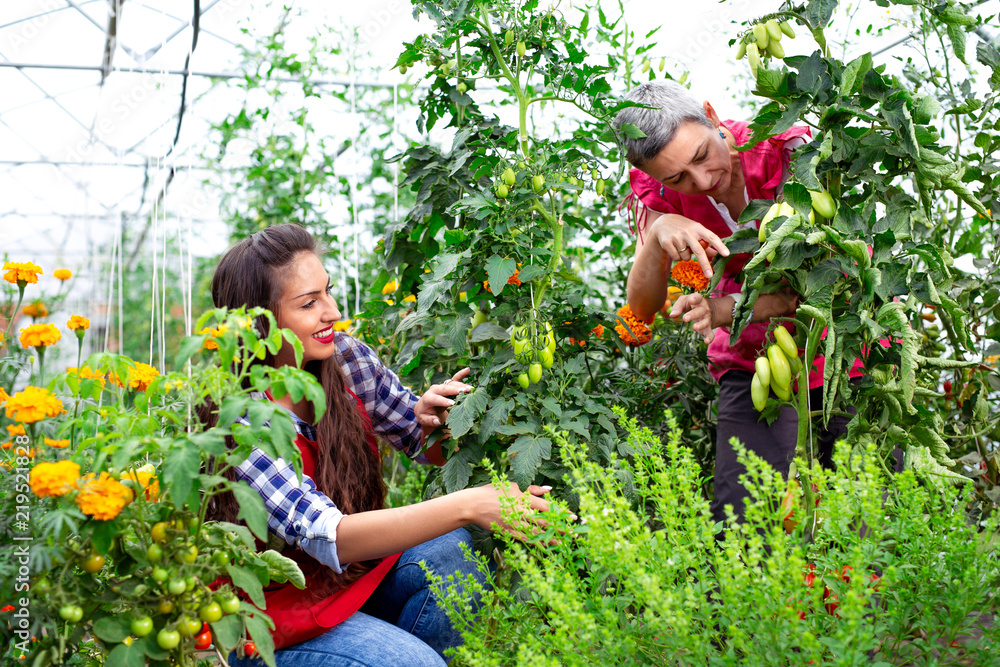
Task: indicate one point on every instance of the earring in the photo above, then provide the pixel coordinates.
(722, 134)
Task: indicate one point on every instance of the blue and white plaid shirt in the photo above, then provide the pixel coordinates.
(300, 514)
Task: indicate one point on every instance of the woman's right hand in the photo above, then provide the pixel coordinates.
(681, 239)
(491, 499)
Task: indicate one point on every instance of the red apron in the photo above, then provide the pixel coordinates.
(299, 615)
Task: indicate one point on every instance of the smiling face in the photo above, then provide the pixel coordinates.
(697, 161)
(306, 307)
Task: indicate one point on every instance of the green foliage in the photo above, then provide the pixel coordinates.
(641, 577)
(131, 426)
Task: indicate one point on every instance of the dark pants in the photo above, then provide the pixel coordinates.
(775, 443)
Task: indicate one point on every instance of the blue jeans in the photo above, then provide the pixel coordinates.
(400, 624)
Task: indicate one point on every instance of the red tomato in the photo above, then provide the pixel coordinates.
(249, 649)
(203, 640)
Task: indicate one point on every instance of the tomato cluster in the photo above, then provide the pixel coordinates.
(775, 371)
(762, 42)
(534, 349)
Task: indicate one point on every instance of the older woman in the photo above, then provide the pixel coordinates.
(689, 185)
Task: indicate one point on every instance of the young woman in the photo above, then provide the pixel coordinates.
(690, 184)
(367, 600)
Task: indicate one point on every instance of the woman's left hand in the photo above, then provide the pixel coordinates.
(431, 410)
(699, 312)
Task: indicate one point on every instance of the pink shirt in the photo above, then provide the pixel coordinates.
(763, 172)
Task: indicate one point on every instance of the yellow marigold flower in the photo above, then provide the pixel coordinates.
(209, 343)
(16, 429)
(145, 480)
(40, 335)
(103, 498)
(3, 396)
(86, 373)
(54, 479)
(25, 272)
(36, 309)
(63, 274)
(32, 405)
(57, 444)
(140, 376)
(78, 322)
(390, 287)
(410, 298)
(342, 325)
(689, 274)
(992, 360)
(639, 334)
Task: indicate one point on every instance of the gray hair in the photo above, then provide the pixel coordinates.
(671, 106)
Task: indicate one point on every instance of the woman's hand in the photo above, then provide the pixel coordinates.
(704, 315)
(492, 499)
(682, 238)
(431, 409)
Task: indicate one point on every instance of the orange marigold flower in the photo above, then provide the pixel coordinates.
(16, 429)
(40, 335)
(86, 373)
(209, 343)
(3, 396)
(36, 309)
(63, 274)
(32, 405)
(513, 280)
(7, 608)
(54, 479)
(103, 498)
(58, 444)
(633, 331)
(78, 322)
(598, 330)
(139, 376)
(21, 272)
(145, 480)
(689, 274)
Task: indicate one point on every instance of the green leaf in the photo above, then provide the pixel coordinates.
(226, 632)
(957, 36)
(499, 270)
(282, 568)
(260, 632)
(854, 74)
(488, 331)
(244, 579)
(631, 131)
(774, 239)
(457, 471)
(819, 12)
(531, 272)
(179, 471)
(467, 411)
(251, 509)
(446, 264)
(188, 347)
(526, 454)
(112, 629)
(495, 416)
(126, 656)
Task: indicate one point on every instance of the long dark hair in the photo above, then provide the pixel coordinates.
(251, 274)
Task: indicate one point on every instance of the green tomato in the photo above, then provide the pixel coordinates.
(160, 575)
(773, 31)
(599, 188)
(502, 191)
(188, 626)
(753, 57)
(522, 379)
(176, 586)
(168, 639)
(508, 38)
(141, 626)
(781, 372)
(230, 605)
(522, 48)
(785, 342)
(190, 554)
(758, 393)
(763, 371)
(42, 586)
(220, 558)
(165, 607)
(787, 29)
(776, 50)
(154, 553)
(508, 176)
(760, 34)
(535, 373)
(545, 356)
(462, 87)
(741, 50)
(211, 612)
(159, 532)
(93, 563)
(823, 203)
(537, 183)
(70, 612)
